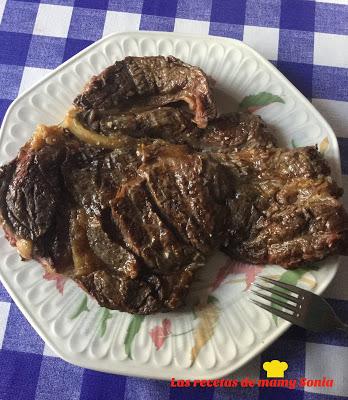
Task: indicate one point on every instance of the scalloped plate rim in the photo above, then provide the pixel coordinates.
(124, 367)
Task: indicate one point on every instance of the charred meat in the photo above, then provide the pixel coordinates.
(144, 182)
(288, 207)
(138, 82)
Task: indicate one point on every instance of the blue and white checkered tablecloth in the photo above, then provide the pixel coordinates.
(306, 40)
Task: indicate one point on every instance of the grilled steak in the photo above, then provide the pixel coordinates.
(92, 181)
(139, 189)
(231, 132)
(106, 244)
(228, 132)
(138, 82)
(190, 191)
(35, 210)
(159, 122)
(142, 229)
(305, 162)
(288, 212)
(149, 294)
(132, 225)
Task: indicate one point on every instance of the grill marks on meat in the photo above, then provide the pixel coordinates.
(144, 232)
(276, 163)
(139, 265)
(130, 295)
(160, 122)
(105, 243)
(34, 208)
(231, 132)
(297, 233)
(94, 183)
(149, 294)
(142, 82)
(6, 175)
(292, 204)
(189, 191)
(130, 265)
(32, 203)
(94, 179)
(132, 225)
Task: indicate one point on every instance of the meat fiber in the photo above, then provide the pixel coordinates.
(190, 191)
(145, 182)
(288, 207)
(138, 82)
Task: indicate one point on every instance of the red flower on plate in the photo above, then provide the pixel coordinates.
(60, 280)
(160, 333)
(235, 267)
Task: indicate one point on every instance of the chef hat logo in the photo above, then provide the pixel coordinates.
(275, 368)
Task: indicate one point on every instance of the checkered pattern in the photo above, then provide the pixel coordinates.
(306, 40)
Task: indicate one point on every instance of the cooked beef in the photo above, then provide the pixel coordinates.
(298, 233)
(190, 191)
(144, 232)
(120, 280)
(146, 295)
(85, 261)
(133, 224)
(37, 209)
(117, 167)
(132, 199)
(76, 234)
(288, 212)
(228, 132)
(137, 82)
(105, 242)
(94, 180)
(134, 288)
(34, 208)
(93, 183)
(6, 175)
(231, 132)
(159, 122)
(33, 193)
(305, 162)
(82, 181)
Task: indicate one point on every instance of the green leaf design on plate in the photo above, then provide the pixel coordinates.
(291, 277)
(212, 299)
(106, 314)
(256, 101)
(182, 333)
(81, 308)
(293, 144)
(133, 329)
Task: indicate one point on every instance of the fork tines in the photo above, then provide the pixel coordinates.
(283, 285)
(280, 299)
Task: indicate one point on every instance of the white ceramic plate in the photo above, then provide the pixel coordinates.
(220, 330)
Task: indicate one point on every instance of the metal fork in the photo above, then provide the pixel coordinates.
(305, 309)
